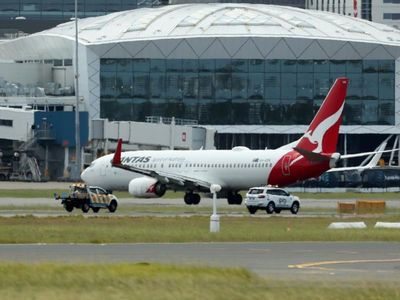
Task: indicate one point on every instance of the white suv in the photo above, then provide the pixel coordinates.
(271, 199)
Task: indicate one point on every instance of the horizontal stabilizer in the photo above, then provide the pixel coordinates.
(346, 156)
(312, 156)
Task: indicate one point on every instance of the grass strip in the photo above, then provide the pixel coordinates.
(78, 229)
(154, 281)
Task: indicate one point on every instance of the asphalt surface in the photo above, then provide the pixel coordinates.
(347, 261)
(339, 261)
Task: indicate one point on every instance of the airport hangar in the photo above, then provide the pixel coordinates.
(255, 73)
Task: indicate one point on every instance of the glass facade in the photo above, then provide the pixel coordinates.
(244, 91)
(62, 9)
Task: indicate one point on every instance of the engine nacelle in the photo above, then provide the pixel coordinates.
(334, 159)
(146, 187)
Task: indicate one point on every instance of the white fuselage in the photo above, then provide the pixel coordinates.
(235, 169)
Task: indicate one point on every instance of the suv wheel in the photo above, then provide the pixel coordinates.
(270, 208)
(295, 208)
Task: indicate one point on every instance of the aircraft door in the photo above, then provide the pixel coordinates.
(286, 165)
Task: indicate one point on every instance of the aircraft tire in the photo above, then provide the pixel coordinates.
(238, 199)
(188, 198)
(196, 199)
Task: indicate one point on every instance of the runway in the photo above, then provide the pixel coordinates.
(377, 261)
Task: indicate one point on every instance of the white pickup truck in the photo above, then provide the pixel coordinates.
(271, 200)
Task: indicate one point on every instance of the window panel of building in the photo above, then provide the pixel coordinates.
(386, 86)
(206, 86)
(239, 86)
(386, 113)
(305, 86)
(190, 107)
(305, 66)
(256, 86)
(337, 66)
(141, 108)
(272, 86)
(288, 86)
(321, 85)
(157, 85)
(108, 84)
(321, 66)
(370, 86)
(124, 85)
(256, 66)
(241, 111)
(141, 82)
(256, 111)
(354, 89)
(369, 112)
(273, 66)
(353, 112)
(221, 112)
(190, 85)
(223, 86)
(223, 91)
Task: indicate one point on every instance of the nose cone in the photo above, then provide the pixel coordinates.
(85, 175)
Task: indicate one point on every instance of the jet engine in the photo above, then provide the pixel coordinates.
(334, 159)
(146, 187)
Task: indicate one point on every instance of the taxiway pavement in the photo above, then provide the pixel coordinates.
(377, 261)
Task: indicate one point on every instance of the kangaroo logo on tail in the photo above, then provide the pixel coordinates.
(323, 131)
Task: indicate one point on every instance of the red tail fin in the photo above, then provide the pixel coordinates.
(117, 155)
(323, 132)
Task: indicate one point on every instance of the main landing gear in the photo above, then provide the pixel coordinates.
(234, 198)
(191, 198)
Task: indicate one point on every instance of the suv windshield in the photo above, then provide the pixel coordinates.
(256, 191)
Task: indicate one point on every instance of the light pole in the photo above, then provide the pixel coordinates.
(77, 121)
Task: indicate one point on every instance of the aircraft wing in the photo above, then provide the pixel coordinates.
(163, 177)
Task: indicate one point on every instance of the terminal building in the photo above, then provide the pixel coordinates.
(254, 73)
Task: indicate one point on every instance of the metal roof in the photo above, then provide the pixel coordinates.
(224, 19)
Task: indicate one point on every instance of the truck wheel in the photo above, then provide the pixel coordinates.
(85, 207)
(68, 207)
(112, 207)
(270, 208)
(95, 209)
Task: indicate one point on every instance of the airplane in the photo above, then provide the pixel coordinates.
(148, 174)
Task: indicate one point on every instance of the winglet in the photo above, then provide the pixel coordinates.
(117, 155)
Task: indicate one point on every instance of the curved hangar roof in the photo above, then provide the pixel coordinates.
(218, 19)
(216, 30)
